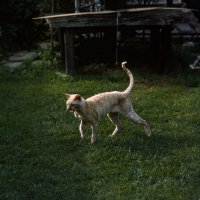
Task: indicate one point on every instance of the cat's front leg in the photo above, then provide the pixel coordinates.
(94, 132)
(81, 129)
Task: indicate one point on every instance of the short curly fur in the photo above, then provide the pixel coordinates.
(111, 103)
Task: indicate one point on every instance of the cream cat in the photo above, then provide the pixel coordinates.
(90, 111)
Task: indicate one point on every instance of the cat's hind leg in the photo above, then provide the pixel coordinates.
(114, 118)
(132, 116)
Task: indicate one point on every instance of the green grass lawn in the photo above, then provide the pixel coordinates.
(43, 157)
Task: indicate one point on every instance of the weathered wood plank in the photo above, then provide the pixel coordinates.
(132, 10)
(152, 17)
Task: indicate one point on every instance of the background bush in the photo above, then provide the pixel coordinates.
(17, 26)
(18, 30)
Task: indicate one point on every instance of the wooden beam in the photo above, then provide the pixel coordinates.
(69, 51)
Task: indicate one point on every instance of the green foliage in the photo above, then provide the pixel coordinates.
(17, 26)
(43, 157)
(60, 6)
(94, 68)
(193, 79)
(18, 30)
(180, 61)
(49, 56)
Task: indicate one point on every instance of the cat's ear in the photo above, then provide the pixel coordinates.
(77, 97)
(66, 95)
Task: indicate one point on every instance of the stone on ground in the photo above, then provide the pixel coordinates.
(17, 58)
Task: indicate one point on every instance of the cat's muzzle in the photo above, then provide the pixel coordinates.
(71, 110)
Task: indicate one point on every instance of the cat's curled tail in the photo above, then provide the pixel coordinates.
(129, 88)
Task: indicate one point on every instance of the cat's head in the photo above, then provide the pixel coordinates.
(74, 102)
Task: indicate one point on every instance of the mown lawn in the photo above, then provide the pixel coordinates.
(43, 157)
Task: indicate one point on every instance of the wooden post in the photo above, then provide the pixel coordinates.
(52, 46)
(77, 6)
(62, 46)
(69, 51)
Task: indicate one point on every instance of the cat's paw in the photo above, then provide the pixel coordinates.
(92, 142)
(149, 134)
(82, 137)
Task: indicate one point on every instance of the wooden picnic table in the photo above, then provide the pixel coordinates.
(159, 20)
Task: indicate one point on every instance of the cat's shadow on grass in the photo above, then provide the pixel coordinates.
(160, 145)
